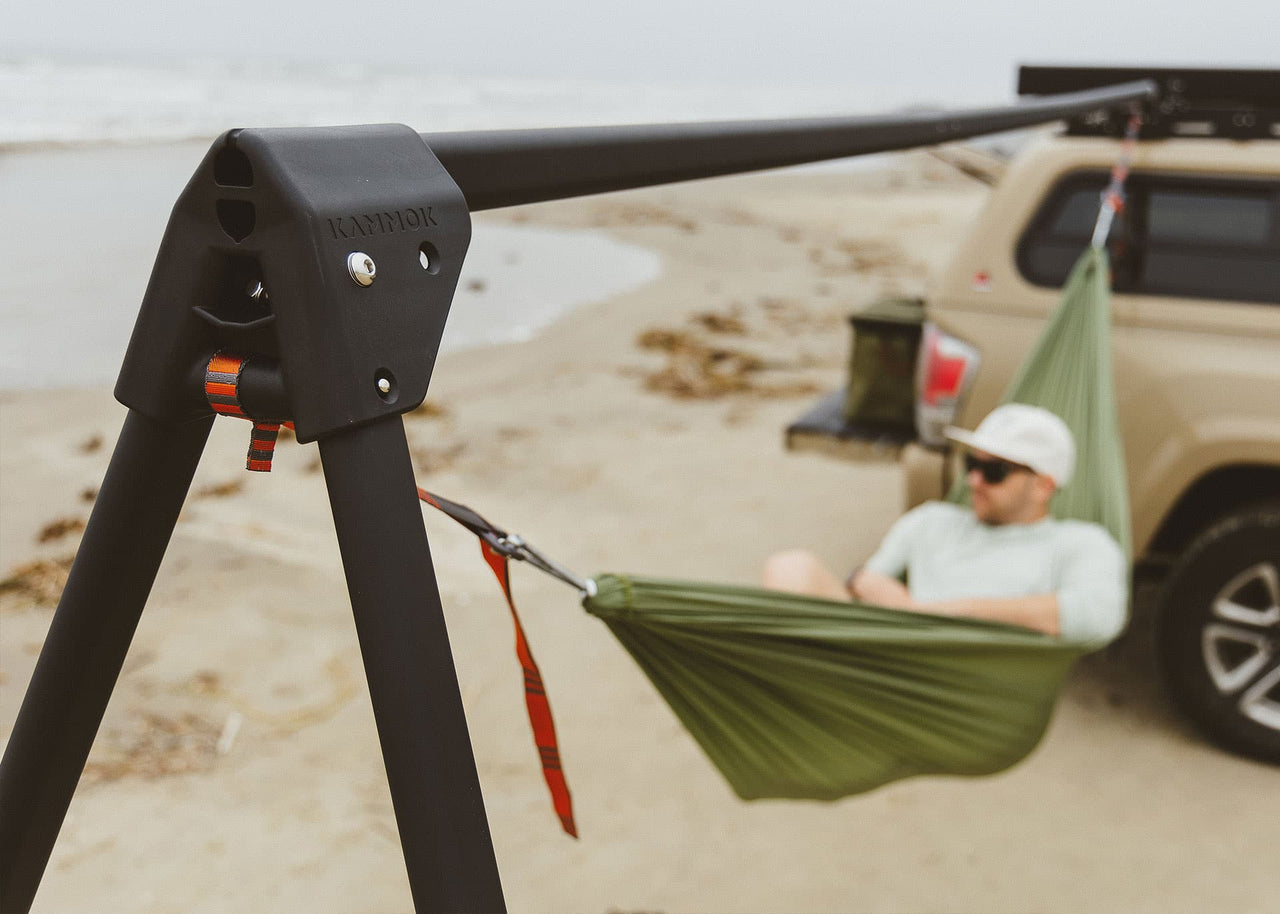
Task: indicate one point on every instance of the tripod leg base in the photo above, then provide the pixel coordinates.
(128, 532)
(412, 683)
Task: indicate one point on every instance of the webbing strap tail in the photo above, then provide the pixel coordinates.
(536, 702)
(498, 548)
(222, 390)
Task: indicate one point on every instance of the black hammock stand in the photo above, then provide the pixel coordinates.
(358, 234)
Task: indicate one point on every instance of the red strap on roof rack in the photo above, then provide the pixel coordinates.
(1113, 196)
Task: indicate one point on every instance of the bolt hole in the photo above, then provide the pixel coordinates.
(384, 382)
(429, 257)
(237, 218)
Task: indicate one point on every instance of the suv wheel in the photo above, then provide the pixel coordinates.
(1218, 632)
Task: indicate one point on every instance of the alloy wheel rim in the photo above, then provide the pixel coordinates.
(1241, 643)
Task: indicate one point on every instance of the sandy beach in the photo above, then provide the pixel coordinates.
(238, 767)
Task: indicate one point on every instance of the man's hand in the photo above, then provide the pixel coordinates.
(879, 590)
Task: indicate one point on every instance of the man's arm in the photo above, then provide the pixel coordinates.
(878, 589)
(1092, 597)
(879, 581)
(1036, 611)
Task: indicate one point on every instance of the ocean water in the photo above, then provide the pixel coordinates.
(105, 146)
(92, 219)
(59, 101)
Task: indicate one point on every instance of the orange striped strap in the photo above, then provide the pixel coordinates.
(535, 694)
(222, 390)
(535, 699)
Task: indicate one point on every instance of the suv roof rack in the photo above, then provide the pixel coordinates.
(1234, 104)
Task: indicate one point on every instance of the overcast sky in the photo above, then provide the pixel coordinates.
(909, 44)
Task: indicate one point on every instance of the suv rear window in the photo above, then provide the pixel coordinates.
(1179, 236)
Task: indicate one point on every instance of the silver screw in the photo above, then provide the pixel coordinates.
(360, 266)
(384, 386)
(257, 291)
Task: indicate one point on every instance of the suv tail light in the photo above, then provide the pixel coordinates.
(945, 371)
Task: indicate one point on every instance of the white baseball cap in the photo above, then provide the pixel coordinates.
(1028, 435)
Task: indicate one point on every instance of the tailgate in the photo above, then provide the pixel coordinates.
(873, 416)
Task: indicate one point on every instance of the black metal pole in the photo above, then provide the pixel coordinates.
(496, 168)
(412, 683)
(128, 532)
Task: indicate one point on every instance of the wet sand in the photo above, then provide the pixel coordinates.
(238, 766)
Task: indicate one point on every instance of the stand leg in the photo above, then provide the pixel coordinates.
(114, 569)
(412, 683)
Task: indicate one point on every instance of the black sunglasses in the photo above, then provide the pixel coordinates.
(994, 471)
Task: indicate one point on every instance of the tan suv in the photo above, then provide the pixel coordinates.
(1196, 316)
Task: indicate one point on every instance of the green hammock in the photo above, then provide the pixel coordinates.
(1069, 373)
(800, 697)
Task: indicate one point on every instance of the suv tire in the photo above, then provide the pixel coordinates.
(1218, 632)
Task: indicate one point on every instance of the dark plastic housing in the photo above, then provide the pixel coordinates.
(286, 208)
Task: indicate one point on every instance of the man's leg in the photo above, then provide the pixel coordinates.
(800, 571)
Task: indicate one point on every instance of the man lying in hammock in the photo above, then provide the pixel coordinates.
(1005, 559)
